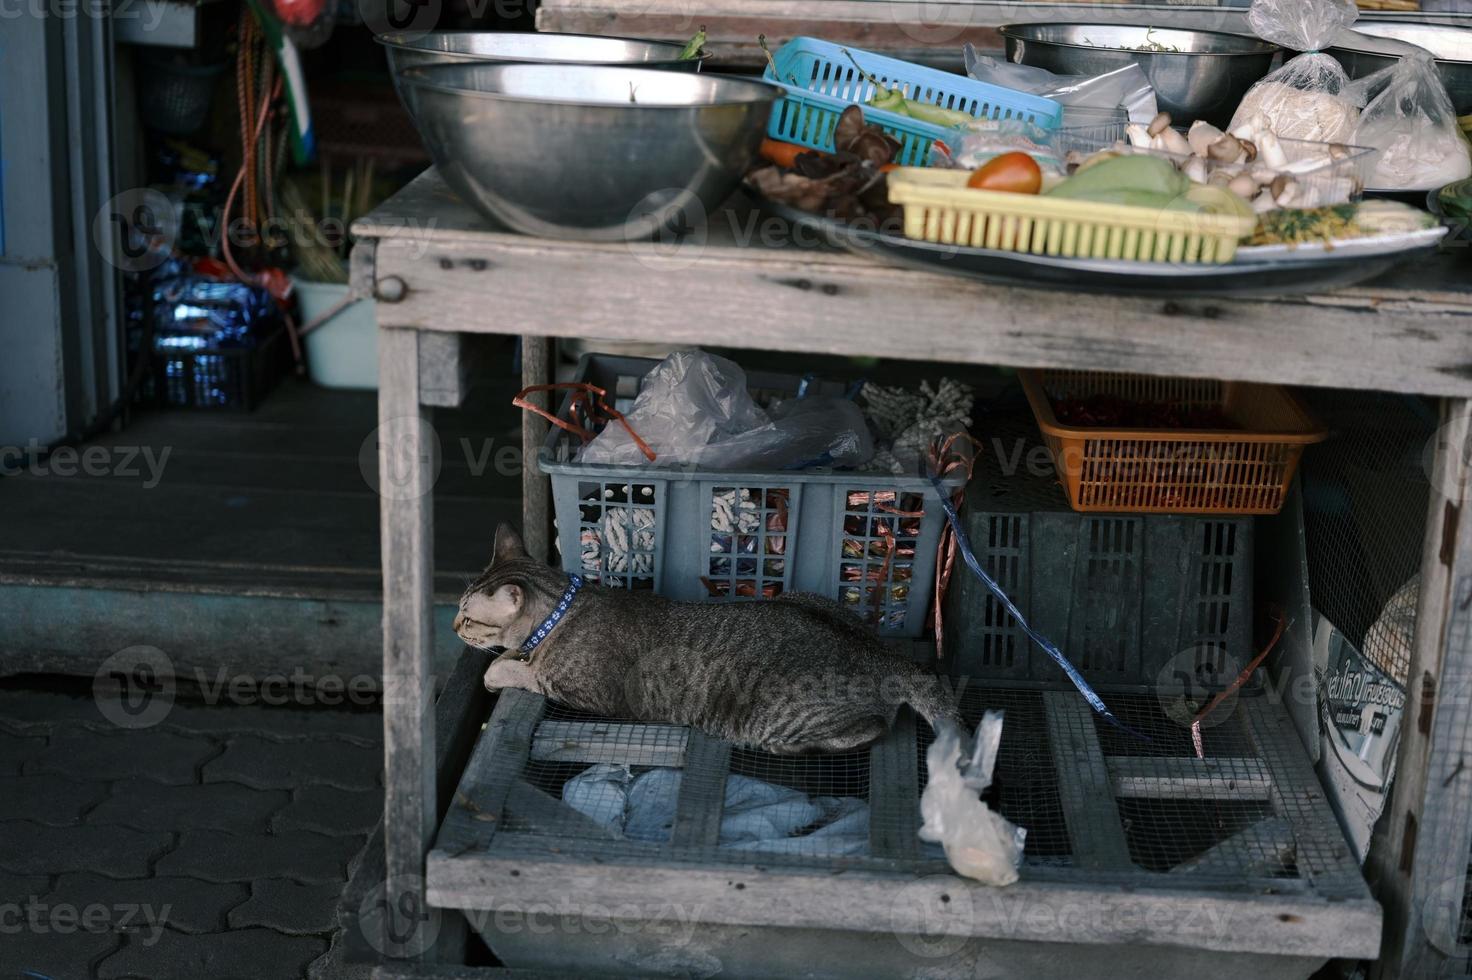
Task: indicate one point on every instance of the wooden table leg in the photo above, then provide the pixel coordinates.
(1418, 858)
(406, 468)
(536, 516)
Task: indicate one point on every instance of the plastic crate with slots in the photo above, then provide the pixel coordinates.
(867, 539)
(1137, 600)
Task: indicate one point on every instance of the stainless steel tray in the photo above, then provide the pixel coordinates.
(1266, 278)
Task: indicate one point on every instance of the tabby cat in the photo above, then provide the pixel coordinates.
(796, 674)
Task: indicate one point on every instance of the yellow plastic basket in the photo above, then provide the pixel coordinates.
(939, 207)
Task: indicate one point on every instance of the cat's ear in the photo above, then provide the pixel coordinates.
(508, 544)
(513, 594)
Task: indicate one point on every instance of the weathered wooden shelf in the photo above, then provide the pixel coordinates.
(1285, 883)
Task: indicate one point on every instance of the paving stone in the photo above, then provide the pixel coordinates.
(146, 805)
(17, 751)
(165, 757)
(361, 727)
(329, 810)
(286, 765)
(290, 907)
(67, 955)
(298, 854)
(118, 852)
(146, 905)
(245, 954)
(47, 798)
(21, 888)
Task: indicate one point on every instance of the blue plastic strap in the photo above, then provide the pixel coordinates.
(963, 544)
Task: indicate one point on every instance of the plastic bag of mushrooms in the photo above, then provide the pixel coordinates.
(1252, 162)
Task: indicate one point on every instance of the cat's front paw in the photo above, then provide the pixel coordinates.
(506, 673)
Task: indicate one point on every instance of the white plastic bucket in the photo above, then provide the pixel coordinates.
(343, 352)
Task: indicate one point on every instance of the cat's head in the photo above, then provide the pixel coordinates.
(508, 600)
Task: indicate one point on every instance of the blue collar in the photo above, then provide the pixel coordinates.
(575, 582)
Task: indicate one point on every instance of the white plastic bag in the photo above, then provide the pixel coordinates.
(979, 844)
(1127, 86)
(1305, 98)
(694, 409)
(1408, 115)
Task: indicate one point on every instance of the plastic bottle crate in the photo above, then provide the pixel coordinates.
(821, 81)
(1136, 601)
(728, 536)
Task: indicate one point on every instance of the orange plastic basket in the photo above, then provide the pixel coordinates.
(1175, 471)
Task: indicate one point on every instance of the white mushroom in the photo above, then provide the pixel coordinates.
(1284, 190)
(1195, 168)
(1252, 127)
(1175, 142)
(1228, 149)
(1159, 124)
(1243, 186)
(1201, 135)
(1263, 202)
(1262, 176)
(1271, 151)
(1138, 135)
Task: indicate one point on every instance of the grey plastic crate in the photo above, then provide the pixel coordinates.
(814, 530)
(1137, 601)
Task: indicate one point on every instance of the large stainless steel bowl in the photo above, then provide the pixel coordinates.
(591, 152)
(1450, 46)
(1196, 74)
(415, 50)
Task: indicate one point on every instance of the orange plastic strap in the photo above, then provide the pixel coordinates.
(1242, 678)
(945, 459)
(583, 394)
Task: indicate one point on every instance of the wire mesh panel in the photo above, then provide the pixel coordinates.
(1091, 796)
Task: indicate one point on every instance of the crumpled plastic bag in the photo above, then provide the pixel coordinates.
(1305, 98)
(1408, 115)
(757, 815)
(979, 844)
(1128, 86)
(693, 409)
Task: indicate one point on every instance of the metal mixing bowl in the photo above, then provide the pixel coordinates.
(592, 152)
(1450, 46)
(413, 50)
(1196, 74)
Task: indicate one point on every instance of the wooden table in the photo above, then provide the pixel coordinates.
(739, 280)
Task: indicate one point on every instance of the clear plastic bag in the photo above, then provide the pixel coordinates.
(1304, 99)
(979, 844)
(694, 409)
(1408, 115)
(1127, 86)
(986, 138)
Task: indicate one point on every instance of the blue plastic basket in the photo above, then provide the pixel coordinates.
(821, 81)
(813, 530)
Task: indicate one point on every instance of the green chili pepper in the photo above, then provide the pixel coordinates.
(693, 46)
(939, 115)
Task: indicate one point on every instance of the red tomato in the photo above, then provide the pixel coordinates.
(1016, 173)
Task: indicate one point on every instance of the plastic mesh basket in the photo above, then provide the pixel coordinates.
(822, 79)
(1245, 470)
(939, 207)
(867, 539)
